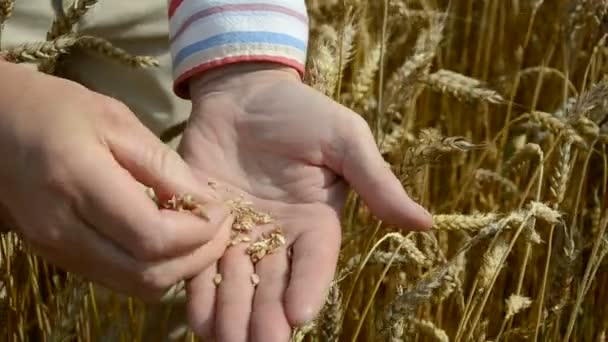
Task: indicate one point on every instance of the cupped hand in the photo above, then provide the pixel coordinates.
(257, 132)
(73, 174)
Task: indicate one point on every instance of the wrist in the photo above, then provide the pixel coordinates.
(239, 79)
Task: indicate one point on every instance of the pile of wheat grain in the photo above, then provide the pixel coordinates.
(493, 113)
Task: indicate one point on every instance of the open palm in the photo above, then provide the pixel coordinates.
(290, 151)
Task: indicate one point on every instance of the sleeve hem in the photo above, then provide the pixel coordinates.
(180, 86)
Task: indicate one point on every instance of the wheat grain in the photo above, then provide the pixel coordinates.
(266, 244)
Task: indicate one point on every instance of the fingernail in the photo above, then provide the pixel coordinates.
(427, 215)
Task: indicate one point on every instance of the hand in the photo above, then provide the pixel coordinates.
(259, 131)
(74, 166)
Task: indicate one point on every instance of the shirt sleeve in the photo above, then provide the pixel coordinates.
(205, 34)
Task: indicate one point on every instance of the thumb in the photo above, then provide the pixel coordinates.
(357, 158)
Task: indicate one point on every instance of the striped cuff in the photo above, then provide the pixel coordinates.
(205, 34)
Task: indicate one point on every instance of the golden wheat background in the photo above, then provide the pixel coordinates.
(494, 113)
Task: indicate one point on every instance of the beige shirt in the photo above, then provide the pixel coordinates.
(138, 26)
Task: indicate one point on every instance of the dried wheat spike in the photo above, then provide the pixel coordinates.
(377, 258)
(557, 126)
(544, 212)
(523, 155)
(324, 72)
(559, 179)
(329, 320)
(429, 329)
(104, 47)
(397, 332)
(365, 77)
(431, 145)
(516, 304)
(347, 42)
(299, 333)
(485, 176)
(460, 86)
(64, 24)
(410, 249)
(586, 127)
(452, 280)
(491, 263)
(417, 65)
(595, 214)
(406, 303)
(470, 223)
(36, 52)
(6, 10)
(415, 16)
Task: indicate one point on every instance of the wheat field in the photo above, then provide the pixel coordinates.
(493, 113)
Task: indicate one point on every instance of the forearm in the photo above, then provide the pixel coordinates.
(207, 34)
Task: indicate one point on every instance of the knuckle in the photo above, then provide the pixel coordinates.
(149, 248)
(358, 125)
(113, 106)
(164, 159)
(56, 179)
(153, 283)
(44, 237)
(120, 114)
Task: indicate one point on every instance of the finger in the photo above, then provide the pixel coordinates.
(114, 203)
(201, 292)
(93, 257)
(268, 320)
(313, 264)
(150, 161)
(234, 296)
(193, 263)
(357, 158)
